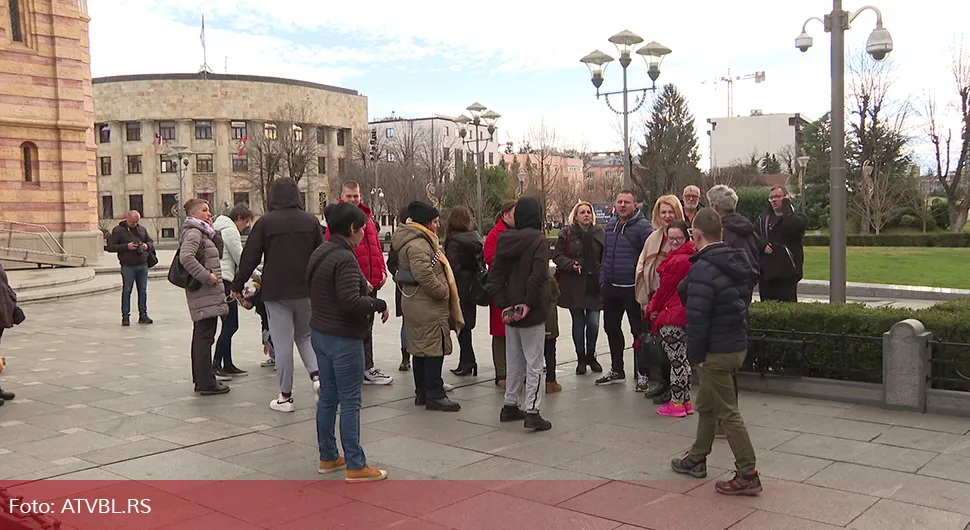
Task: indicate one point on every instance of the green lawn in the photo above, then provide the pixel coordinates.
(933, 267)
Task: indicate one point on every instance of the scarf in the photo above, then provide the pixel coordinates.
(201, 225)
(454, 304)
(654, 251)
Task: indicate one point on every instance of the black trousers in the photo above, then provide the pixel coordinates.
(427, 376)
(779, 290)
(616, 302)
(549, 352)
(203, 336)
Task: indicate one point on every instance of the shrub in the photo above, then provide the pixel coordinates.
(930, 239)
(941, 214)
(751, 202)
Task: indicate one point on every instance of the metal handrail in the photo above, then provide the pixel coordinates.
(60, 251)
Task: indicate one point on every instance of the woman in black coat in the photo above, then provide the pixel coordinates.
(463, 249)
(392, 266)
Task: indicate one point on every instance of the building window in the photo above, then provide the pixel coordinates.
(104, 133)
(168, 233)
(389, 132)
(167, 164)
(390, 157)
(15, 28)
(322, 165)
(134, 164)
(166, 129)
(321, 135)
(133, 131)
(491, 159)
(340, 137)
(107, 207)
(203, 130)
(446, 131)
(240, 164)
(203, 163)
(206, 196)
(303, 199)
(341, 168)
(31, 163)
(238, 130)
(269, 131)
(136, 202)
(240, 197)
(170, 204)
(297, 133)
(105, 163)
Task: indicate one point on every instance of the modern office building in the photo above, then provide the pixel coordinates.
(734, 140)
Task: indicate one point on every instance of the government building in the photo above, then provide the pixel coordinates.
(216, 136)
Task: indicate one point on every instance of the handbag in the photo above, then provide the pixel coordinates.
(479, 292)
(651, 353)
(152, 259)
(179, 277)
(404, 277)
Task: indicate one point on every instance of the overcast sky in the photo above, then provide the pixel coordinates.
(522, 58)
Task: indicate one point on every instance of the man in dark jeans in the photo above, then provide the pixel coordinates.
(132, 243)
(781, 230)
(626, 232)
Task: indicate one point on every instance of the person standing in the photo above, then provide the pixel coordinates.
(717, 341)
(342, 311)
(431, 303)
(519, 284)
(739, 232)
(229, 226)
(626, 233)
(552, 335)
(578, 253)
(370, 257)
(392, 266)
(781, 230)
(691, 197)
(463, 247)
(200, 239)
(130, 240)
(504, 220)
(283, 239)
(10, 315)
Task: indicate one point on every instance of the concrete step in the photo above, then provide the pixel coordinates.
(100, 283)
(27, 280)
(25, 255)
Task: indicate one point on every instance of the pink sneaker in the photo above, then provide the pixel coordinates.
(688, 408)
(672, 410)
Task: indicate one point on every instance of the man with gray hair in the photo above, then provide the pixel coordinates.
(691, 199)
(739, 232)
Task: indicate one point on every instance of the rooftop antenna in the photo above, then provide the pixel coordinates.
(204, 69)
(759, 77)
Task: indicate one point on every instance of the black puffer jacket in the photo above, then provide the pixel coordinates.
(740, 233)
(715, 294)
(339, 301)
(464, 253)
(284, 238)
(785, 234)
(520, 271)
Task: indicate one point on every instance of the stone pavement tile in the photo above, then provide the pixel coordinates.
(199, 433)
(82, 416)
(404, 497)
(548, 451)
(938, 442)
(261, 414)
(305, 433)
(421, 456)
(127, 451)
(264, 507)
(493, 468)
(23, 410)
(470, 392)
(144, 401)
(547, 489)
(191, 407)
(800, 500)
(475, 412)
(18, 464)
(773, 521)
(36, 391)
(257, 476)
(66, 466)
(865, 453)
(291, 461)
(128, 426)
(817, 407)
(73, 443)
(763, 438)
(497, 440)
(825, 426)
(950, 467)
(213, 520)
(915, 420)
(89, 475)
(889, 515)
(905, 487)
(434, 426)
(372, 414)
(19, 433)
(351, 515)
(617, 464)
(494, 510)
(167, 509)
(177, 465)
(72, 397)
(774, 464)
(237, 445)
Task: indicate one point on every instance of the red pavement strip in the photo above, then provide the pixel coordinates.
(401, 505)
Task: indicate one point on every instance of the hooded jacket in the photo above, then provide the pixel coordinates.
(370, 253)
(232, 246)
(624, 242)
(520, 270)
(785, 234)
(124, 234)
(666, 302)
(339, 298)
(284, 239)
(715, 294)
(740, 233)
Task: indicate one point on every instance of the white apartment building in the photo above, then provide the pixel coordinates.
(734, 140)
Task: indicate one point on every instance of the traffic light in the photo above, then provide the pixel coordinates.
(373, 145)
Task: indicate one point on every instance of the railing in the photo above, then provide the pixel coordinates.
(950, 366)
(818, 355)
(54, 248)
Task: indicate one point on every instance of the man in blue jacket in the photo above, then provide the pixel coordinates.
(626, 233)
(715, 294)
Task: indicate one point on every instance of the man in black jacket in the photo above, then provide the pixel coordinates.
(714, 294)
(133, 245)
(781, 230)
(519, 282)
(284, 238)
(738, 231)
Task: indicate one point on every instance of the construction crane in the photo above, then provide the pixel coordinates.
(758, 77)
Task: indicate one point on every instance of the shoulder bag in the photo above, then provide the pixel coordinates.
(179, 276)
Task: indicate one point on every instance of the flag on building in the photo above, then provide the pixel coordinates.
(158, 139)
(242, 146)
(202, 34)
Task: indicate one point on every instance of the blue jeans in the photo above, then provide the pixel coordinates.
(586, 327)
(130, 276)
(341, 364)
(230, 324)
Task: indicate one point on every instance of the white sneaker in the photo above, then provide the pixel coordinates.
(447, 387)
(316, 390)
(375, 377)
(282, 404)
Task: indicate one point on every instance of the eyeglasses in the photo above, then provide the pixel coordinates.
(692, 196)
(678, 239)
(773, 197)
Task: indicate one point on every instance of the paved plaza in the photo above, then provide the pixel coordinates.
(97, 401)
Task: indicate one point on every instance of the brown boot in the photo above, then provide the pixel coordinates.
(328, 466)
(553, 387)
(365, 474)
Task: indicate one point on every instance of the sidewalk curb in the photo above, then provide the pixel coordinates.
(877, 290)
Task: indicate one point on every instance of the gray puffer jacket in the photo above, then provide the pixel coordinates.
(208, 301)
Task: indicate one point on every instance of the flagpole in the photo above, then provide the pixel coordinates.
(205, 62)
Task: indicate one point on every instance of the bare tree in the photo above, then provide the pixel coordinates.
(954, 182)
(543, 162)
(562, 198)
(876, 195)
(914, 199)
(265, 159)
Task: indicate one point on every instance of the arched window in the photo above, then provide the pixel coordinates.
(16, 27)
(31, 162)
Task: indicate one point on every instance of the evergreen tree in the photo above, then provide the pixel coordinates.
(669, 154)
(770, 165)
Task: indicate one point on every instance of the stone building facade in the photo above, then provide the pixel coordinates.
(143, 122)
(47, 171)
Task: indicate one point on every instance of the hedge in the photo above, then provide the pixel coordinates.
(931, 239)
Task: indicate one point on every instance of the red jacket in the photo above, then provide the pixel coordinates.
(666, 302)
(370, 254)
(496, 326)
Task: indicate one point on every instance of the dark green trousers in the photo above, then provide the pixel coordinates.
(717, 400)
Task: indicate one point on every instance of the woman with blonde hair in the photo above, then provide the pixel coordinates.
(578, 254)
(666, 210)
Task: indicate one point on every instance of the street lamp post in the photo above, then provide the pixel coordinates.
(180, 155)
(879, 45)
(521, 177)
(596, 61)
(802, 163)
(479, 113)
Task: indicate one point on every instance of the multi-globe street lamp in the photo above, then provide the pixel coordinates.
(879, 45)
(180, 155)
(479, 114)
(597, 61)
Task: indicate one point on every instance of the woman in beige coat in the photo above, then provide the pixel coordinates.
(429, 301)
(200, 251)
